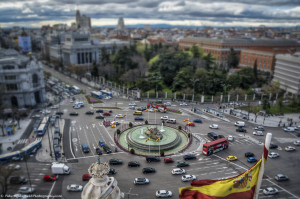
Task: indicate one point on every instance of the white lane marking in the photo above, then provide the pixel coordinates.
(71, 143)
(49, 194)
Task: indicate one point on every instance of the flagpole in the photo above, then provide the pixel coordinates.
(262, 166)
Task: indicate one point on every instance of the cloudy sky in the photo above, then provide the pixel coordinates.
(34, 13)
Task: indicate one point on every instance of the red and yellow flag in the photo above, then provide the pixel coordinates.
(241, 186)
(157, 139)
(147, 139)
(187, 119)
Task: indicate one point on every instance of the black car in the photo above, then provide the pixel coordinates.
(106, 149)
(59, 113)
(115, 161)
(189, 157)
(273, 146)
(99, 111)
(148, 170)
(98, 151)
(139, 118)
(241, 130)
(112, 171)
(182, 164)
(133, 164)
(141, 108)
(152, 159)
(249, 154)
(73, 114)
(220, 136)
(100, 117)
(89, 113)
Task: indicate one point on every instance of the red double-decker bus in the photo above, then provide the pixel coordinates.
(215, 146)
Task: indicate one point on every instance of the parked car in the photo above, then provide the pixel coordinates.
(186, 178)
(168, 160)
(119, 116)
(249, 154)
(197, 121)
(115, 161)
(164, 117)
(289, 129)
(86, 177)
(259, 128)
(132, 104)
(50, 178)
(281, 177)
(73, 114)
(189, 157)
(178, 171)
(141, 181)
(106, 114)
(183, 104)
(258, 133)
(74, 187)
(139, 118)
(133, 164)
(163, 194)
(26, 190)
(270, 191)
(98, 151)
(100, 116)
(190, 124)
(182, 164)
(231, 158)
(241, 129)
(213, 126)
(99, 111)
(89, 113)
(297, 142)
(252, 159)
(273, 155)
(148, 170)
(290, 148)
(230, 138)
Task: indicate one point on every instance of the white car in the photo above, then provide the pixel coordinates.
(132, 104)
(258, 133)
(270, 191)
(15, 166)
(45, 112)
(259, 128)
(273, 155)
(183, 104)
(71, 101)
(163, 194)
(107, 97)
(289, 129)
(214, 126)
(290, 148)
(119, 116)
(168, 104)
(187, 178)
(164, 117)
(230, 138)
(178, 171)
(297, 143)
(74, 187)
(141, 181)
(26, 190)
(54, 107)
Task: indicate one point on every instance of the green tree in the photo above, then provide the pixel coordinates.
(105, 57)
(266, 104)
(255, 69)
(280, 103)
(5, 172)
(232, 59)
(181, 80)
(209, 61)
(95, 73)
(196, 51)
(143, 84)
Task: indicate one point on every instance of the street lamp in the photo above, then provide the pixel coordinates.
(194, 80)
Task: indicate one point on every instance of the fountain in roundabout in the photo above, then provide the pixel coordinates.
(153, 139)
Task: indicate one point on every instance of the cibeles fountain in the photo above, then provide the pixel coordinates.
(100, 185)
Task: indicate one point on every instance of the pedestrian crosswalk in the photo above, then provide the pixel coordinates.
(24, 141)
(237, 140)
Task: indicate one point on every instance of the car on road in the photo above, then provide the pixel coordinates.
(14, 166)
(74, 187)
(164, 117)
(55, 107)
(132, 104)
(167, 103)
(186, 178)
(148, 170)
(190, 124)
(100, 116)
(241, 129)
(252, 159)
(290, 148)
(182, 164)
(119, 116)
(168, 160)
(230, 138)
(297, 142)
(270, 191)
(197, 121)
(137, 113)
(141, 108)
(289, 129)
(50, 178)
(89, 113)
(183, 104)
(45, 112)
(18, 180)
(138, 118)
(258, 133)
(281, 177)
(106, 149)
(189, 157)
(26, 190)
(98, 151)
(239, 123)
(133, 164)
(152, 159)
(249, 154)
(59, 113)
(86, 177)
(36, 116)
(214, 126)
(259, 128)
(273, 146)
(112, 171)
(115, 161)
(141, 181)
(106, 114)
(101, 143)
(178, 171)
(231, 158)
(99, 111)
(73, 114)
(163, 194)
(273, 155)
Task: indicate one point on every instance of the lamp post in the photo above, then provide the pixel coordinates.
(193, 80)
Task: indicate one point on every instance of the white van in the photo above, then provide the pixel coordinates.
(173, 121)
(239, 123)
(289, 129)
(78, 104)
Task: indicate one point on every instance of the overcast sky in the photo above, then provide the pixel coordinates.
(34, 13)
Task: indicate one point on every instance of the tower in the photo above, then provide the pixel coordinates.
(121, 25)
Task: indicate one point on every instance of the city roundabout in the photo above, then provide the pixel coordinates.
(153, 140)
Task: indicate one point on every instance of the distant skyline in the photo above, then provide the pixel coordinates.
(225, 13)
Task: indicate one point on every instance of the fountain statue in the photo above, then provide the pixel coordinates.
(153, 133)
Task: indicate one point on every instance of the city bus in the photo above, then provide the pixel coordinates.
(42, 129)
(4, 158)
(215, 146)
(75, 89)
(96, 94)
(45, 120)
(32, 147)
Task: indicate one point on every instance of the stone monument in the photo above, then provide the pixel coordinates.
(100, 185)
(153, 133)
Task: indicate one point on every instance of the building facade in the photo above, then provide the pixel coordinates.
(21, 80)
(82, 21)
(287, 72)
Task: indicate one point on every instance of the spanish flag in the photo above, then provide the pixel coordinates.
(241, 186)
(157, 139)
(148, 139)
(187, 119)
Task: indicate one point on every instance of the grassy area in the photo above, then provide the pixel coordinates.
(92, 100)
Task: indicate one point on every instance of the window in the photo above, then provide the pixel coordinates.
(11, 87)
(8, 67)
(10, 77)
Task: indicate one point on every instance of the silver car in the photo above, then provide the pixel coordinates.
(163, 194)
(74, 187)
(26, 190)
(141, 181)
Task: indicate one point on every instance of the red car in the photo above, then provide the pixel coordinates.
(49, 178)
(190, 124)
(106, 114)
(168, 160)
(86, 177)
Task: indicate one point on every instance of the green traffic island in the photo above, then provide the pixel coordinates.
(173, 111)
(92, 100)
